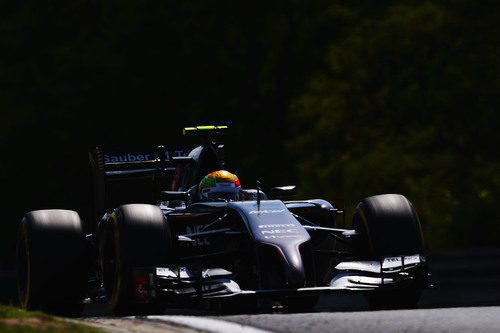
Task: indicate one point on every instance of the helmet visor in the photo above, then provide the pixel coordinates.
(227, 196)
(224, 192)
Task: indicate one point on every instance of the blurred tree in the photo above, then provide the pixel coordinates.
(368, 97)
(407, 104)
(120, 73)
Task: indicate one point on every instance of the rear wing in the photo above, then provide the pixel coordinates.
(125, 163)
(139, 175)
(121, 176)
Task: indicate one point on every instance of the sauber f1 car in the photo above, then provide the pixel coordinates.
(169, 247)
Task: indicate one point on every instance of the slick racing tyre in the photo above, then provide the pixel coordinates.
(52, 262)
(388, 227)
(133, 236)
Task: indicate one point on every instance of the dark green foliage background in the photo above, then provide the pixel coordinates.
(346, 99)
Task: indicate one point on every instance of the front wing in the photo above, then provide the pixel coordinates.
(389, 273)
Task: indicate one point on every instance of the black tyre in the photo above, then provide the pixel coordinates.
(389, 226)
(52, 262)
(135, 235)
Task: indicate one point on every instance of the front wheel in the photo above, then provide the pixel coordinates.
(389, 227)
(133, 236)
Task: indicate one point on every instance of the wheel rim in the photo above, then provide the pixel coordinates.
(109, 264)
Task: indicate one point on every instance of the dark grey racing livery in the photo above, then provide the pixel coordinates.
(165, 247)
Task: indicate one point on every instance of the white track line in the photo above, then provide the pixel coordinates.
(208, 324)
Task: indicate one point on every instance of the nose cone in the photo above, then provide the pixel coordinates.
(279, 236)
(293, 266)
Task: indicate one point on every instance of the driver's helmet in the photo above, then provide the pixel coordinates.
(219, 185)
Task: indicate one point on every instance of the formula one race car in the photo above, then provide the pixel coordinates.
(168, 247)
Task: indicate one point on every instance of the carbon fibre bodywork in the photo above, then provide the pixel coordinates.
(255, 247)
(245, 249)
(150, 247)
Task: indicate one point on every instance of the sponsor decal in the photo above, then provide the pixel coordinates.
(281, 236)
(265, 226)
(126, 158)
(267, 211)
(137, 157)
(278, 231)
(141, 287)
(398, 261)
(394, 259)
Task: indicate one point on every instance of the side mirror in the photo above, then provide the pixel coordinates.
(283, 192)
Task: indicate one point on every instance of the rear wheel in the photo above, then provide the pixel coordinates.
(134, 236)
(52, 262)
(389, 226)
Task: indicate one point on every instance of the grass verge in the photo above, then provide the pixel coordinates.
(13, 319)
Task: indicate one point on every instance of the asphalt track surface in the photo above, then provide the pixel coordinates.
(466, 299)
(458, 319)
(478, 319)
